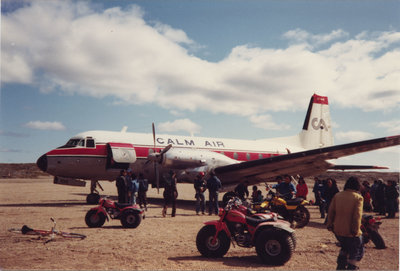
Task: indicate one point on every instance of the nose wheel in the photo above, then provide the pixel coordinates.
(93, 198)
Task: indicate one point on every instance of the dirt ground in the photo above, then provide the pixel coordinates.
(157, 244)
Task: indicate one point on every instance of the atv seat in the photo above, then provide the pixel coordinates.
(256, 221)
(296, 201)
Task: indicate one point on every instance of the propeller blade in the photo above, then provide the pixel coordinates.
(166, 149)
(154, 135)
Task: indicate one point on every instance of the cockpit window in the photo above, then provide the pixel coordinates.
(74, 142)
(90, 143)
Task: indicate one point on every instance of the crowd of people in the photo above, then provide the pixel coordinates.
(342, 210)
(379, 197)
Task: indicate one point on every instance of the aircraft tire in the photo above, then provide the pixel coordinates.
(93, 198)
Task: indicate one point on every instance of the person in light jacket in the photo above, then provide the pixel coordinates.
(344, 220)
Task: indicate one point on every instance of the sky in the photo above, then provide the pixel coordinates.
(230, 69)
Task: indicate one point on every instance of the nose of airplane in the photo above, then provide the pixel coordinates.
(42, 162)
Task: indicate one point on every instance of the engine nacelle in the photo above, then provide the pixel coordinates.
(182, 158)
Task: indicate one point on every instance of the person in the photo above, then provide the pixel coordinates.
(302, 189)
(318, 190)
(122, 187)
(241, 190)
(372, 192)
(133, 186)
(344, 220)
(380, 197)
(213, 186)
(200, 187)
(254, 193)
(285, 188)
(170, 193)
(365, 192)
(329, 192)
(391, 197)
(142, 191)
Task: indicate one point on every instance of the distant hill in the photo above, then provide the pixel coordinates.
(30, 170)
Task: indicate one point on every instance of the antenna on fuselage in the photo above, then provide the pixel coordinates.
(124, 129)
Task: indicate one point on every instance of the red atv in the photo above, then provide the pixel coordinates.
(369, 228)
(273, 238)
(130, 215)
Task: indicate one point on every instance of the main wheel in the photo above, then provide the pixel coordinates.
(377, 239)
(94, 219)
(92, 198)
(208, 248)
(130, 219)
(301, 216)
(274, 246)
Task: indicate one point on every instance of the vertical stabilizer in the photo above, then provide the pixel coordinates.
(317, 128)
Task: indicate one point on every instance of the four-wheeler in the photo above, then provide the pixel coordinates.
(130, 215)
(369, 228)
(273, 238)
(293, 210)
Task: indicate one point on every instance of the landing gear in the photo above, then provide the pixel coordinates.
(94, 196)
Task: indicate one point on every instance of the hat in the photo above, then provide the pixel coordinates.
(201, 174)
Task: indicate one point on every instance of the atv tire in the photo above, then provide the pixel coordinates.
(274, 246)
(204, 242)
(377, 239)
(301, 216)
(94, 219)
(130, 219)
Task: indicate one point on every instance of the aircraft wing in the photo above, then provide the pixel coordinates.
(305, 163)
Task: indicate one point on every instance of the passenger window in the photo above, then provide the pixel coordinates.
(248, 156)
(235, 156)
(90, 143)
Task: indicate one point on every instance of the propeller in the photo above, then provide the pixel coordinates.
(157, 158)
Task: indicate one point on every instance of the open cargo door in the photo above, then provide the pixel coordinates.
(120, 155)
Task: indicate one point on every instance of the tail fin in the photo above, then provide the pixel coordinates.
(317, 128)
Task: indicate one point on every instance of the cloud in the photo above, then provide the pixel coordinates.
(45, 125)
(353, 136)
(266, 122)
(392, 126)
(115, 53)
(185, 125)
(12, 134)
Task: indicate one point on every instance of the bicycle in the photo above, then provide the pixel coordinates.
(47, 233)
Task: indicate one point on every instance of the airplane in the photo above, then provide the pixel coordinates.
(100, 155)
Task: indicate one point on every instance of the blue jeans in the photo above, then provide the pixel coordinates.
(213, 202)
(352, 249)
(200, 202)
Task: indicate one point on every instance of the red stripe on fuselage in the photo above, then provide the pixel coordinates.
(143, 152)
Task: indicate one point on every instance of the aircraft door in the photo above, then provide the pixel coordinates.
(120, 155)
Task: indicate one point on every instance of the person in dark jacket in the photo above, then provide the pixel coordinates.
(122, 187)
(142, 191)
(170, 192)
(213, 186)
(329, 192)
(200, 187)
(380, 197)
(391, 197)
